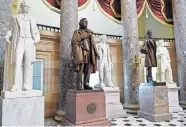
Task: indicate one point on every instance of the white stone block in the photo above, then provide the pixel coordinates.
(22, 111)
(174, 99)
(114, 108)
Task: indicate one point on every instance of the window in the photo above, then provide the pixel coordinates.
(38, 75)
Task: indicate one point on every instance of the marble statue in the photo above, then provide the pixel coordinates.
(104, 64)
(164, 71)
(84, 54)
(22, 36)
(149, 49)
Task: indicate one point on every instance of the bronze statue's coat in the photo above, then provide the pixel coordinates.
(84, 49)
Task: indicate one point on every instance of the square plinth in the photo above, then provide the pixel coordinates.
(22, 111)
(85, 108)
(154, 104)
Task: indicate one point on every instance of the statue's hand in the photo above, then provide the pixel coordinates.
(35, 42)
(143, 51)
(8, 41)
(98, 57)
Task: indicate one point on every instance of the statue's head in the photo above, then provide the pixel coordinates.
(161, 43)
(149, 34)
(24, 6)
(83, 23)
(103, 38)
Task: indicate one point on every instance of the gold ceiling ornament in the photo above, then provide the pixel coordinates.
(113, 10)
(51, 7)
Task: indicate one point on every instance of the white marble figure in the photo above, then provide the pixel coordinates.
(22, 36)
(164, 71)
(104, 64)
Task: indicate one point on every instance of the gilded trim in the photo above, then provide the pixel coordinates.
(140, 13)
(107, 15)
(58, 2)
(51, 7)
(115, 13)
(159, 20)
(163, 6)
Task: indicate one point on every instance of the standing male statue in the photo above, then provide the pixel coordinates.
(164, 71)
(22, 37)
(84, 54)
(104, 63)
(149, 49)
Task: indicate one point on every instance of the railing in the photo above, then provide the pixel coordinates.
(157, 39)
(56, 29)
(48, 28)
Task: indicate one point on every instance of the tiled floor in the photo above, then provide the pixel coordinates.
(179, 119)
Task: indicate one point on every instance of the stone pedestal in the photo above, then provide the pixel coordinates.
(114, 108)
(22, 110)
(85, 108)
(154, 105)
(174, 99)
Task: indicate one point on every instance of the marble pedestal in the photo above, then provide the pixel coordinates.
(114, 108)
(25, 108)
(85, 108)
(174, 99)
(154, 105)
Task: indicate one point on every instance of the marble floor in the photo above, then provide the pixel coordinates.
(179, 120)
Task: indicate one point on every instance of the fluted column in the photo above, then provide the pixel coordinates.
(5, 19)
(130, 50)
(69, 23)
(179, 9)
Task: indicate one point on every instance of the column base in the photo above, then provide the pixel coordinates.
(132, 109)
(59, 115)
(183, 104)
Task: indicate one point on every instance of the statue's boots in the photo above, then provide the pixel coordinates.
(15, 88)
(27, 88)
(87, 87)
(79, 86)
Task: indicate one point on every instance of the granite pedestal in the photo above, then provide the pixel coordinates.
(174, 99)
(114, 108)
(23, 108)
(154, 104)
(85, 108)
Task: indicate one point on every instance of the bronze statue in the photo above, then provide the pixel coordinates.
(149, 49)
(84, 54)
